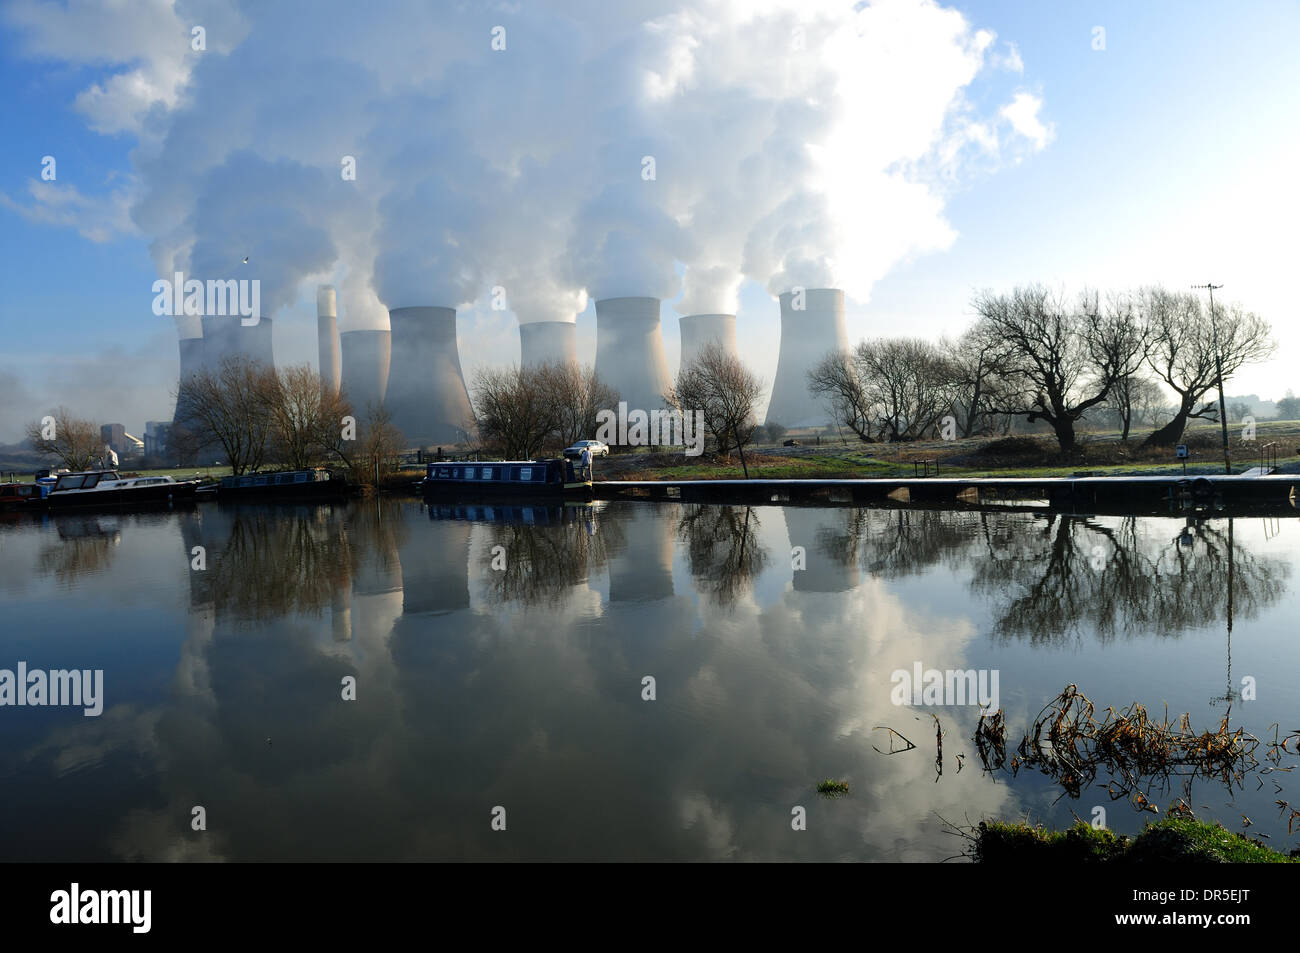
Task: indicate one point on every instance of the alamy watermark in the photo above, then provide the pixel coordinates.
(58, 687)
(657, 428)
(178, 296)
(932, 687)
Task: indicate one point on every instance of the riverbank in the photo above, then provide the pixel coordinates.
(1171, 840)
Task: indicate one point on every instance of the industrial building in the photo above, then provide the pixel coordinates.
(808, 335)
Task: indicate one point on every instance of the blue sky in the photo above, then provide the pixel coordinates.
(1173, 159)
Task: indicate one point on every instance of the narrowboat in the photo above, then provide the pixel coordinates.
(25, 497)
(315, 482)
(520, 478)
(96, 488)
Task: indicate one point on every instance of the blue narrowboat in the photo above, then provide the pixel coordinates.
(285, 484)
(520, 478)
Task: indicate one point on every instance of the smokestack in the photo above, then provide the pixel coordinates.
(327, 339)
(630, 351)
(807, 336)
(700, 330)
(548, 342)
(364, 362)
(426, 389)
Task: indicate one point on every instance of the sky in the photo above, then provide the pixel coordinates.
(911, 152)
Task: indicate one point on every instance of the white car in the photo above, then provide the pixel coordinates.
(597, 449)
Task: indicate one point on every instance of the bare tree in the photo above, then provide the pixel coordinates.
(231, 408)
(1183, 352)
(306, 419)
(75, 442)
(835, 379)
(888, 389)
(578, 394)
(515, 408)
(974, 381)
(373, 452)
(727, 393)
(1057, 358)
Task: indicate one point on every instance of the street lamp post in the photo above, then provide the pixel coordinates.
(1218, 367)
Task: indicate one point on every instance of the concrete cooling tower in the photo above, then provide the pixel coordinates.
(426, 389)
(630, 351)
(364, 361)
(700, 330)
(224, 335)
(807, 336)
(327, 339)
(548, 342)
(190, 342)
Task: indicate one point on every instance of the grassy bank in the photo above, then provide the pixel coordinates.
(1172, 840)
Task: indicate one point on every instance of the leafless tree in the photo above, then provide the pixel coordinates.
(1182, 352)
(888, 389)
(578, 394)
(372, 453)
(74, 442)
(1059, 358)
(516, 410)
(727, 393)
(974, 381)
(231, 408)
(307, 420)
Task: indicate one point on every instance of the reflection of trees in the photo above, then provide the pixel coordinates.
(275, 560)
(724, 554)
(542, 562)
(1049, 574)
(897, 542)
(85, 546)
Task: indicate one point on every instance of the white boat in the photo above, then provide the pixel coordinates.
(106, 488)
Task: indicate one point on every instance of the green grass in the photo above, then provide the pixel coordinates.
(832, 788)
(1172, 840)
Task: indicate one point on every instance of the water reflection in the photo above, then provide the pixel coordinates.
(518, 680)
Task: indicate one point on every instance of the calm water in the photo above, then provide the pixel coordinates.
(521, 687)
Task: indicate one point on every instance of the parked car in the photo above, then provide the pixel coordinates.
(597, 449)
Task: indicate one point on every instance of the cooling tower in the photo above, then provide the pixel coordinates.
(255, 341)
(700, 330)
(426, 390)
(327, 339)
(548, 342)
(364, 362)
(220, 339)
(807, 336)
(630, 351)
(190, 342)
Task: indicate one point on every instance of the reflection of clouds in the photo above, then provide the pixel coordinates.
(470, 695)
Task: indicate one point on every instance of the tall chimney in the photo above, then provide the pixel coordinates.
(548, 342)
(426, 389)
(807, 336)
(364, 358)
(327, 339)
(700, 330)
(630, 351)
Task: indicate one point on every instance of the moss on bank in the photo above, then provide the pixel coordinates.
(1172, 840)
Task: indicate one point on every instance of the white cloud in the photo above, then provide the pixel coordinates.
(1022, 113)
(99, 218)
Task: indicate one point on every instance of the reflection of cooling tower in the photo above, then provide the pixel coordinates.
(644, 569)
(700, 330)
(630, 351)
(807, 336)
(426, 390)
(364, 360)
(434, 564)
(327, 339)
(832, 562)
(548, 342)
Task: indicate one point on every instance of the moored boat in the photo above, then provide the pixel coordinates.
(521, 478)
(24, 497)
(315, 482)
(96, 488)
